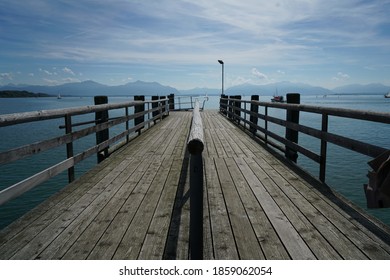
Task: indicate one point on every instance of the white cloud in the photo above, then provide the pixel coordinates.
(341, 77)
(47, 72)
(71, 80)
(258, 74)
(239, 80)
(51, 82)
(68, 71)
(127, 79)
(6, 76)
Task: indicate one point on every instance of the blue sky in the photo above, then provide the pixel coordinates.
(177, 43)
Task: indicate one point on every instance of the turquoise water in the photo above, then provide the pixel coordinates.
(346, 170)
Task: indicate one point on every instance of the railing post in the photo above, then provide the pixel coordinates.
(69, 146)
(137, 109)
(195, 147)
(223, 104)
(266, 124)
(155, 105)
(127, 123)
(101, 117)
(230, 109)
(171, 101)
(254, 110)
(324, 144)
(163, 107)
(292, 116)
(237, 112)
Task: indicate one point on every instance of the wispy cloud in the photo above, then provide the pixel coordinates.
(341, 77)
(284, 34)
(258, 74)
(6, 76)
(68, 71)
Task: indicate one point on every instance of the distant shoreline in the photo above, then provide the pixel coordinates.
(21, 93)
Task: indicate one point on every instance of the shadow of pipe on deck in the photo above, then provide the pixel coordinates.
(182, 197)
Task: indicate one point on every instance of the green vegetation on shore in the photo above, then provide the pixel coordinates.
(21, 93)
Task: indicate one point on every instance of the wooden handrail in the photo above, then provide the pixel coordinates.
(231, 107)
(381, 117)
(69, 137)
(16, 118)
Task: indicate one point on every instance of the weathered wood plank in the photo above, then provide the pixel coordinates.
(157, 234)
(247, 244)
(223, 239)
(48, 211)
(355, 234)
(131, 243)
(268, 238)
(277, 188)
(94, 218)
(291, 239)
(140, 182)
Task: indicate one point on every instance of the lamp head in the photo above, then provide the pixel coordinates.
(220, 61)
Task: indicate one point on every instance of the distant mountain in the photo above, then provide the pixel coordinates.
(18, 93)
(91, 88)
(374, 88)
(280, 88)
(143, 88)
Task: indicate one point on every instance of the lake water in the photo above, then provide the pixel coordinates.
(346, 170)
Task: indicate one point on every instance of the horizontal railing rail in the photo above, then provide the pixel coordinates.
(234, 107)
(187, 102)
(156, 110)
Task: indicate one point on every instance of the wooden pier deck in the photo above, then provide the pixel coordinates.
(135, 205)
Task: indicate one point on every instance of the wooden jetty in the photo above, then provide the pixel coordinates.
(139, 202)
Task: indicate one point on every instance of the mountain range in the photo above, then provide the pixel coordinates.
(91, 88)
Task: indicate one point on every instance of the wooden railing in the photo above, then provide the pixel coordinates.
(155, 110)
(236, 109)
(187, 102)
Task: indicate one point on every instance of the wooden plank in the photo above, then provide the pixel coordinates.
(361, 238)
(131, 243)
(210, 147)
(217, 143)
(56, 226)
(106, 245)
(223, 238)
(96, 219)
(291, 239)
(301, 213)
(157, 234)
(245, 239)
(271, 245)
(49, 211)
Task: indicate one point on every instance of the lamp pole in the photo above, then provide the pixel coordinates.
(221, 62)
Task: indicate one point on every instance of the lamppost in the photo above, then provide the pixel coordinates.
(221, 62)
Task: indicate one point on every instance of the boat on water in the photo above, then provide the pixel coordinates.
(59, 96)
(387, 95)
(277, 98)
